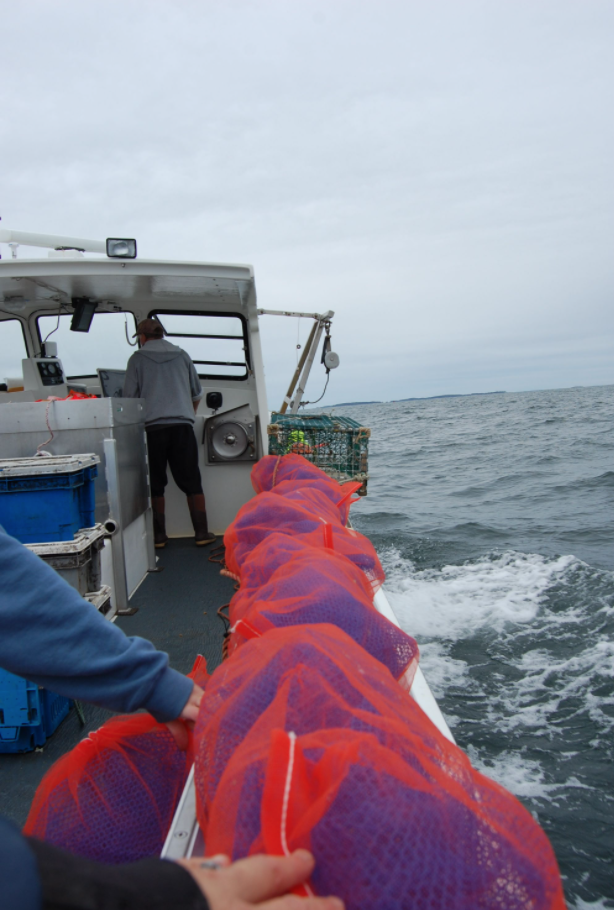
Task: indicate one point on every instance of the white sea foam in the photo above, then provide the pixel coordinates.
(547, 682)
(456, 601)
(521, 776)
(443, 670)
(592, 905)
(507, 593)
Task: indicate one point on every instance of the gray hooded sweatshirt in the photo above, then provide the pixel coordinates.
(164, 375)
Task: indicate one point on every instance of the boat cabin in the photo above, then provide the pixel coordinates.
(67, 330)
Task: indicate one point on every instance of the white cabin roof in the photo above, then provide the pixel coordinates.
(125, 283)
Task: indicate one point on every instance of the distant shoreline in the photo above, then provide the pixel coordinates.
(348, 404)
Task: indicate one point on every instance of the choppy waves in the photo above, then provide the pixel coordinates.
(519, 650)
(456, 601)
(471, 503)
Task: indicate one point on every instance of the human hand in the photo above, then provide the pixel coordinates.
(261, 882)
(190, 709)
(189, 715)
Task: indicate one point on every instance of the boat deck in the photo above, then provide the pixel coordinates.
(178, 607)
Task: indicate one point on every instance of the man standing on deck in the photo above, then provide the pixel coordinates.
(164, 375)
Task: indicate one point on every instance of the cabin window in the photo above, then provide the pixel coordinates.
(12, 349)
(216, 342)
(105, 346)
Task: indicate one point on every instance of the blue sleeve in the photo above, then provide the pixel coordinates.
(20, 886)
(53, 637)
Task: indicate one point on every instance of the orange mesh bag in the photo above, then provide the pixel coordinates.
(306, 741)
(199, 672)
(315, 656)
(383, 834)
(285, 473)
(112, 797)
(273, 470)
(268, 558)
(317, 586)
(312, 493)
(268, 513)
(315, 502)
(260, 564)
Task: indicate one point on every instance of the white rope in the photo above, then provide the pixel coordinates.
(38, 449)
(284, 808)
(288, 784)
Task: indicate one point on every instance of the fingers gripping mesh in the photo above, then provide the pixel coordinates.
(112, 797)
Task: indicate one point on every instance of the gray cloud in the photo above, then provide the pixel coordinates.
(438, 174)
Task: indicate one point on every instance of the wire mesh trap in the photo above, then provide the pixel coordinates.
(337, 445)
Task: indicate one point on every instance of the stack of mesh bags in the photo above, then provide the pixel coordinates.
(306, 739)
(298, 499)
(285, 582)
(299, 564)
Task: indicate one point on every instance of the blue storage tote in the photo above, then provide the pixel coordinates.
(28, 714)
(47, 498)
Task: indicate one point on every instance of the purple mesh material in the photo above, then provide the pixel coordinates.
(339, 495)
(317, 586)
(112, 798)
(395, 814)
(324, 664)
(273, 470)
(268, 513)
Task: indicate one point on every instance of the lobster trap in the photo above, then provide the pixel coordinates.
(337, 445)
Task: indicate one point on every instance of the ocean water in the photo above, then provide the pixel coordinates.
(494, 519)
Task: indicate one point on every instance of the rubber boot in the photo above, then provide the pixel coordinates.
(198, 514)
(159, 522)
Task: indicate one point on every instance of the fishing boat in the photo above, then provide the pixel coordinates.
(68, 319)
(68, 323)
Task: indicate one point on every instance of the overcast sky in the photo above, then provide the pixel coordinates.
(439, 172)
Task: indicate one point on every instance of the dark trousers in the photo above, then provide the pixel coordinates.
(175, 446)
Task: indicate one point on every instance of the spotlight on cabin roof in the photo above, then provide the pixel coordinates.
(121, 248)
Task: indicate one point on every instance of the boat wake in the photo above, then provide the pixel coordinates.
(519, 651)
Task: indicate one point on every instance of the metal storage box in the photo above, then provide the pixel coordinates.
(337, 445)
(77, 560)
(102, 601)
(47, 498)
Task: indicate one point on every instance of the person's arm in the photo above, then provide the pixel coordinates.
(50, 635)
(20, 887)
(196, 390)
(131, 381)
(69, 882)
(73, 883)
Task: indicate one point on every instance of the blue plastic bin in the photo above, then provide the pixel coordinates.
(49, 498)
(28, 714)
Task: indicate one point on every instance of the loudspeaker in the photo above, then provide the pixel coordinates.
(231, 436)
